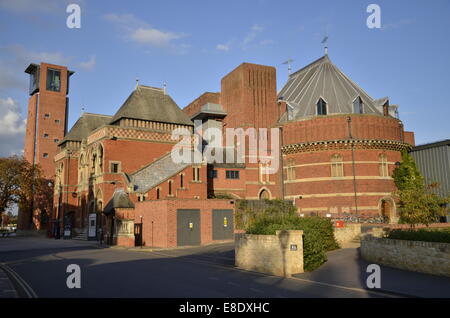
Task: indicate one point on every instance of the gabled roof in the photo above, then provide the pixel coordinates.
(153, 104)
(120, 199)
(85, 125)
(322, 79)
(155, 173)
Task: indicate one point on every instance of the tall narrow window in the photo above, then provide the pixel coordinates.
(384, 171)
(53, 80)
(321, 107)
(170, 187)
(158, 193)
(337, 166)
(181, 181)
(290, 170)
(358, 106)
(196, 174)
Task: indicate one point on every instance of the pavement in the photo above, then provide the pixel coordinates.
(37, 268)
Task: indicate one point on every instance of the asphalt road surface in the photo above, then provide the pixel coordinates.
(37, 267)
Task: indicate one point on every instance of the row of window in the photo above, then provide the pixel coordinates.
(229, 174)
(337, 167)
(322, 106)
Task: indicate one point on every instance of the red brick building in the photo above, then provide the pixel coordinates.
(336, 148)
(46, 128)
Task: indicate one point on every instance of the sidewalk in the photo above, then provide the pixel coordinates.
(346, 268)
(6, 288)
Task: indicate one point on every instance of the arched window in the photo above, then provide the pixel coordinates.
(337, 166)
(321, 107)
(358, 106)
(384, 171)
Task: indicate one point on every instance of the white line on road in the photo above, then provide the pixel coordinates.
(27, 288)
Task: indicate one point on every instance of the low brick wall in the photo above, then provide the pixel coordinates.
(280, 254)
(425, 257)
(348, 233)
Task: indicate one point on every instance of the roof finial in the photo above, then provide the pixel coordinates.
(324, 41)
(137, 82)
(165, 87)
(288, 62)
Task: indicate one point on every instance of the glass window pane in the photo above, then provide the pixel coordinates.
(53, 80)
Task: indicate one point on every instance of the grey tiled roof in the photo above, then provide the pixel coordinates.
(322, 79)
(120, 199)
(153, 104)
(155, 173)
(84, 125)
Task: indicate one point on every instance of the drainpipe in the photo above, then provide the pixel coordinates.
(349, 122)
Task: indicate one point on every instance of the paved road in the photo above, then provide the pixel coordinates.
(345, 267)
(39, 266)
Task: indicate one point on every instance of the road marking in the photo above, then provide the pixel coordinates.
(230, 268)
(19, 280)
(345, 287)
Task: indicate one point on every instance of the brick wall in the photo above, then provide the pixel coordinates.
(163, 214)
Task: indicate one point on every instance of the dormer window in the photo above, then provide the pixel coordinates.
(290, 112)
(321, 107)
(358, 106)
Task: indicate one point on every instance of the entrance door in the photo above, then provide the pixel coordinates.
(138, 234)
(223, 227)
(188, 227)
(386, 211)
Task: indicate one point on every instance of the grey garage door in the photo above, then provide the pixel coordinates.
(188, 227)
(223, 228)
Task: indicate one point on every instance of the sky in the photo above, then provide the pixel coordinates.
(192, 44)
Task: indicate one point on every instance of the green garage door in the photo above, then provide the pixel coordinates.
(188, 227)
(223, 227)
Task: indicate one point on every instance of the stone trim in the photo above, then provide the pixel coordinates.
(344, 144)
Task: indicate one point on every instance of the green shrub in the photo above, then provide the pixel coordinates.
(318, 234)
(425, 235)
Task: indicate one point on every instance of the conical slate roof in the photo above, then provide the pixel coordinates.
(153, 104)
(84, 125)
(322, 79)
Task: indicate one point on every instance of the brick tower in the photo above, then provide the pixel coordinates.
(46, 124)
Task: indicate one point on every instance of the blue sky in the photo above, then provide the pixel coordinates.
(192, 44)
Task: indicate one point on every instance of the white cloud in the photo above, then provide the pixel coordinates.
(15, 58)
(142, 33)
(89, 65)
(395, 25)
(154, 37)
(223, 47)
(12, 127)
(250, 38)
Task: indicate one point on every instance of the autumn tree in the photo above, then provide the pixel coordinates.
(20, 183)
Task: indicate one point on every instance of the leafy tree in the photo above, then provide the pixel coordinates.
(407, 175)
(418, 202)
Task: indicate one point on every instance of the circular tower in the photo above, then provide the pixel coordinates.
(339, 145)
